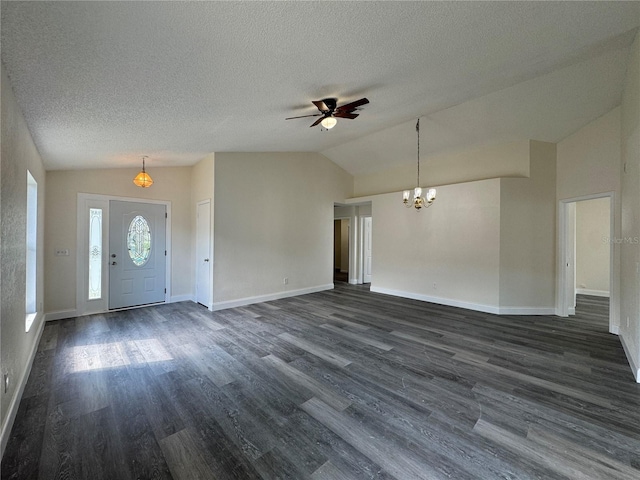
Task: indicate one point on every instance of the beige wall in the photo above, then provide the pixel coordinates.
(487, 245)
(527, 233)
(630, 219)
(19, 154)
(589, 160)
(274, 216)
(592, 246)
(447, 253)
(480, 163)
(170, 184)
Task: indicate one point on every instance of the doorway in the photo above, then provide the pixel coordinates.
(586, 253)
(341, 258)
(138, 233)
(366, 249)
(203, 254)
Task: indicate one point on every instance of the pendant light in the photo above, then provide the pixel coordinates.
(418, 200)
(143, 179)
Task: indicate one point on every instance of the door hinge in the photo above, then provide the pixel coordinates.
(165, 290)
(165, 215)
(165, 253)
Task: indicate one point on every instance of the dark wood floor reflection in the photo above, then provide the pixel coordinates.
(344, 384)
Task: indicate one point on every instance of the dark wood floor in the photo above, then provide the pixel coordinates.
(344, 384)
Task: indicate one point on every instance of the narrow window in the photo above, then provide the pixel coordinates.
(31, 251)
(95, 253)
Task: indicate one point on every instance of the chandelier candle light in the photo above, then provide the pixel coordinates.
(418, 200)
(143, 179)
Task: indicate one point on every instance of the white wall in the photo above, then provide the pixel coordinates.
(630, 252)
(454, 244)
(274, 216)
(592, 246)
(172, 184)
(527, 234)
(17, 347)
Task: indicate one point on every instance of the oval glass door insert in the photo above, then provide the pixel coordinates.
(139, 240)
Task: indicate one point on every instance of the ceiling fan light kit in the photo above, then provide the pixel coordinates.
(418, 201)
(330, 112)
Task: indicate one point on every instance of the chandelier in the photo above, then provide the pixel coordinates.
(418, 200)
(143, 179)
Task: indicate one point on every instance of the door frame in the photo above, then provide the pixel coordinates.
(564, 254)
(84, 306)
(363, 239)
(211, 259)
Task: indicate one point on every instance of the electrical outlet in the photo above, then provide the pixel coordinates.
(62, 252)
(6, 382)
(285, 281)
(435, 286)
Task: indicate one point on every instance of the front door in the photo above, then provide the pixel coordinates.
(137, 255)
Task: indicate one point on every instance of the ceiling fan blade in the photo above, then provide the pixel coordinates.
(345, 115)
(321, 105)
(304, 116)
(317, 122)
(353, 105)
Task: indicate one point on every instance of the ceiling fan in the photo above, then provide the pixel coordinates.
(329, 111)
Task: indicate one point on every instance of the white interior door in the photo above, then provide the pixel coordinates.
(137, 253)
(203, 253)
(366, 250)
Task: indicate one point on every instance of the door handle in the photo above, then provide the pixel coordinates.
(113, 263)
(113, 255)
(206, 259)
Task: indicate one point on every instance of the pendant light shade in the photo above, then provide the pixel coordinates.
(143, 179)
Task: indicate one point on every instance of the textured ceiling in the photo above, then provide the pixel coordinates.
(102, 83)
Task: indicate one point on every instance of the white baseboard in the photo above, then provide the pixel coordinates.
(627, 351)
(182, 298)
(572, 310)
(241, 302)
(615, 329)
(440, 301)
(594, 293)
(354, 281)
(18, 392)
(527, 310)
(468, 305)
(60, 315)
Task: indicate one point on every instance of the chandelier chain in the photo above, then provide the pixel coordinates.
(418, 130)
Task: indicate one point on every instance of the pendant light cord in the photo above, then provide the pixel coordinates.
(418, 130)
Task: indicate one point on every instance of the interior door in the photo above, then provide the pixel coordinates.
(366, 251)
(137, 255)
(203, 253)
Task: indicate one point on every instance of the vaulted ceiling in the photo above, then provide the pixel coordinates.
(102, 83)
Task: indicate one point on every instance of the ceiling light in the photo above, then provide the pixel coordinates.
(418, 200)
(143, 179)
(328, 122)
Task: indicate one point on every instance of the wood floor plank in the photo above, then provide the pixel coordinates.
(183, 456)
(342, 383)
